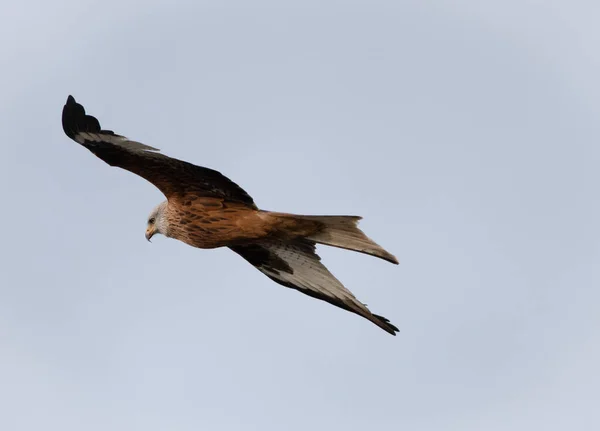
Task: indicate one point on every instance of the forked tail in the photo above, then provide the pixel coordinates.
(343, 232)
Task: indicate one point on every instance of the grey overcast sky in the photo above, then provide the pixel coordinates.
(464, 132)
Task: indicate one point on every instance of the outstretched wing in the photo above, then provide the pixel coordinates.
(172, 177)
(295, 264)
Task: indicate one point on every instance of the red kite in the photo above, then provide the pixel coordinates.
(207, 210)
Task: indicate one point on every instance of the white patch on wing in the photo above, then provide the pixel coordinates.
(121, 141)
(308, 273)
(82, 137)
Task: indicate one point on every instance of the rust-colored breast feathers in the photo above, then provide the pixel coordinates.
(213, 222)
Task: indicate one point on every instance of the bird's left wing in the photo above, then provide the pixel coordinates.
(173, 177)
(295, 264)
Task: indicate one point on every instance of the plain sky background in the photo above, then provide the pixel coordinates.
(465, 132)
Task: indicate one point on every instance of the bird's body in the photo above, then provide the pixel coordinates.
(205, 209)
(211, 223)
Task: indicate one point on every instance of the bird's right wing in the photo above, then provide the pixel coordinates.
(295, 264)
(173, 177)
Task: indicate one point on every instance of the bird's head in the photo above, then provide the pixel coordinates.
(157, 221)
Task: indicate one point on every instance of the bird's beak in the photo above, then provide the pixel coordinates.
(149, 233)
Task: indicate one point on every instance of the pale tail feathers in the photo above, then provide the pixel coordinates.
(343, 232)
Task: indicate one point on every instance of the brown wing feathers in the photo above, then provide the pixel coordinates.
(171, 176)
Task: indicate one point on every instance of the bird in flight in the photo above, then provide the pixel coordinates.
(205, 209)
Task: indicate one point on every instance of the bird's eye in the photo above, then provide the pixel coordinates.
(152, 220)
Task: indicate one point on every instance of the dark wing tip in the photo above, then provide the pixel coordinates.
(74, 119)
(385, 324)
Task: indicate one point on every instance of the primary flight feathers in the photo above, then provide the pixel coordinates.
(205, 209)
(170, 175)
